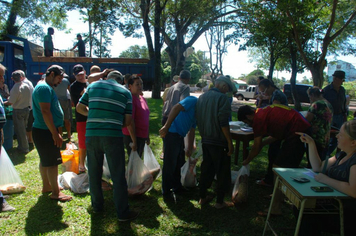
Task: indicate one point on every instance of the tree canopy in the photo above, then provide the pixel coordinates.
(26, 18)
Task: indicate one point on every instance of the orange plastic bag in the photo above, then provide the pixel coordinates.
(70, 159)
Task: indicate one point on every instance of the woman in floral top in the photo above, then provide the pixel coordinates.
(319, 115)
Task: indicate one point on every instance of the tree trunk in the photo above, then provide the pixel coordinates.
(317, 70)
(293, 78)
(272, 63)
(176, 57)
(90, 35)
(156, 92)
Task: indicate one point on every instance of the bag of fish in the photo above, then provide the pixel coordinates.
(138, 177)
(240, 191)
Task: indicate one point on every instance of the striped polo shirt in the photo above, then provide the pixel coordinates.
(108, 102)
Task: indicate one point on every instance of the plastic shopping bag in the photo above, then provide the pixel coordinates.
(70, 159)
(138, 177)
(188, 173)
(150, 162)
(106, 170)
(240, 191)
(10, 181)
(75, 183)
(188, 170)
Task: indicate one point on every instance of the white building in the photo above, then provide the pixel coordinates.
(349, 69)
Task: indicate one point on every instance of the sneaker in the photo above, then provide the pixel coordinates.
(181, 190)
(6, 207)
(130, 216)
(171, 197)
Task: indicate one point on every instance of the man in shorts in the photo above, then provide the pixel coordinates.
(48, 118)
(63, 95)
(77, 89)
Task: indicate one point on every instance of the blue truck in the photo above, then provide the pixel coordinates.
(20, 54)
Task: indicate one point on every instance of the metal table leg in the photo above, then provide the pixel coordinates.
(341, 212)
(270, 206)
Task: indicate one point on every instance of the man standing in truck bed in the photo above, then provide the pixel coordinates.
(81, 46)
(48, 43)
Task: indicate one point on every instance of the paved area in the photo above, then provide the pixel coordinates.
(236, 104)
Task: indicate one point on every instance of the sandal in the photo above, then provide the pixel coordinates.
(206, 200)
(64, 198)
(82, 170)
(105, 186)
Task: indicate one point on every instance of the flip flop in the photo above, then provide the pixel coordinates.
(64, 198)
(106, 186)
(60, 189)
(82, 170)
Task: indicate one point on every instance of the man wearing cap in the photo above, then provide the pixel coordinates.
(213, 110)
(176, 93)
(20, 99)
(108, 106)
(174, 81)
(81, 46)
(77, 89)
(335, 94)
(48, 118)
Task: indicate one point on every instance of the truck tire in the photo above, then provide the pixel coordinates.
(246, 99)
(240, 97)
(290, 100)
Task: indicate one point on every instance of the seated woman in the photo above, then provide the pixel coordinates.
(319, 115)
(339, 173)
(137, 132)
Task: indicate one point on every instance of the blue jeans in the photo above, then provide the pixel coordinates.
(338, 121)
(173, 161)
(113, 147)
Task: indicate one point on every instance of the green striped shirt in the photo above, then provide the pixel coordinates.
(108, 102)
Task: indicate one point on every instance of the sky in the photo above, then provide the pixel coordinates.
(235, 63)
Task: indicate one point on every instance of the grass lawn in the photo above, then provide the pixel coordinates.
(36, 214)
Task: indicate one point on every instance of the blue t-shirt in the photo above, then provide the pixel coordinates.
(43, 93)
(185, 119)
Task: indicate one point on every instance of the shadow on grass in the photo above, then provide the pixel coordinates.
(45, 216)
(149, 209)
(16, 156)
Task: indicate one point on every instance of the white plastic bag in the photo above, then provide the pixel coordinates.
(106, 170)
(240, 191)
(188, 170)
(76, 183)
(188, 173)
(150, 162)
(138, 177)
(10, 181)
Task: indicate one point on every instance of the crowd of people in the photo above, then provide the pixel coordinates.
(112, 115)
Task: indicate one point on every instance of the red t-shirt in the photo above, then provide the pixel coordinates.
(278, 121)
